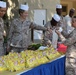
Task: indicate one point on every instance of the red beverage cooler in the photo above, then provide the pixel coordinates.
(62, 48)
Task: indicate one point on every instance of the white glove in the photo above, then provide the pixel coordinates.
(60, 29)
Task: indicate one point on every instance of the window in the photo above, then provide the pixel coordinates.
(64, 10)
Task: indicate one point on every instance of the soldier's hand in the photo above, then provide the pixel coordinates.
(49, 43)
(50, 30)
(4, 34)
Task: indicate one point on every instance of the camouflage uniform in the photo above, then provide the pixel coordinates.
(19, 35)
(47, 35)
(71, 53)
(1, 37)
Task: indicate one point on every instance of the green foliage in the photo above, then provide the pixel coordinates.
(34, 46)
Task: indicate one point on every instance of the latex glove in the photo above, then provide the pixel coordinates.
(60, 29)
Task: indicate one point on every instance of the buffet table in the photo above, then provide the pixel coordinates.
(55, 67)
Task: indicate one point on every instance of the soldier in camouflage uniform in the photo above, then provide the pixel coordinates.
(53, 24)
(71, 51)
(2, 12)
(19, 35)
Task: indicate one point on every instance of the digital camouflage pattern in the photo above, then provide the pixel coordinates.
(71, 53)
(48, 35)
(19, 35)
(1, 37)
(47, 38)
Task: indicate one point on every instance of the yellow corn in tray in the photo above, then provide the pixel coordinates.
(2, 64)
(31, 61)
(52, 54)
(27, 53)
(41, 59)
(15, 62)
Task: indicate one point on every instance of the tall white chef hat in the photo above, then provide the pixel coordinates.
(56, 17)
(2, 4)
(24, 7)
(59, 6)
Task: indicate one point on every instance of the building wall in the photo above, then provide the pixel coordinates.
(69, 3)
(49, 5)
(74, 5)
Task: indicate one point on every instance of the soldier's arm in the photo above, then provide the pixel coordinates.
(46, 41)
(46, 38)
(38, 27)
(3, 30)
(71, 40)
(64, 32)
(11, 29)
